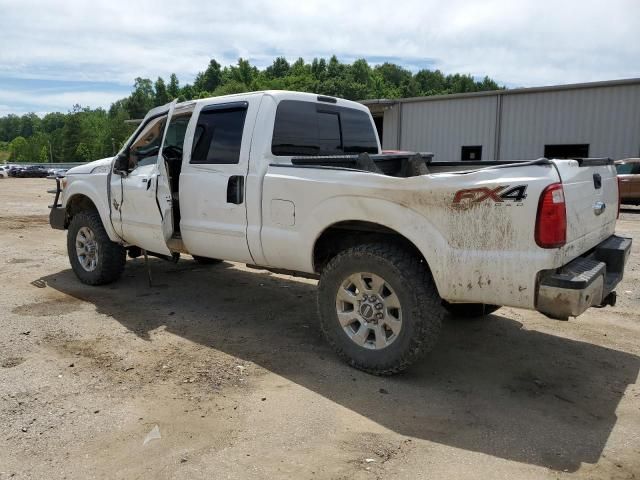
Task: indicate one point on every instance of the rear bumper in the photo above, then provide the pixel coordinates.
(585, 282)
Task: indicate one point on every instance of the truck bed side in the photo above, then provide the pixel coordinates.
(475, 230)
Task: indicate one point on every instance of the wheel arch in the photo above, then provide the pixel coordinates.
(347, 233)
(374, 219)
(77, 200)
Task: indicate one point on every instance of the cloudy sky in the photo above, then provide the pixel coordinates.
(57, 53)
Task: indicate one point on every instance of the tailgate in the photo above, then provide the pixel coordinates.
(591, 198)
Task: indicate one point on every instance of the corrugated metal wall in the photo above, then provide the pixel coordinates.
(444, 126)
(605, 117)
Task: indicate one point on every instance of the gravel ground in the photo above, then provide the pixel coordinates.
(229, 363)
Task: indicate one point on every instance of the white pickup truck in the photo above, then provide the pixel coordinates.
(296, 182)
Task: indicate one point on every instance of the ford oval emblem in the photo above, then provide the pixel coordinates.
(599, 207)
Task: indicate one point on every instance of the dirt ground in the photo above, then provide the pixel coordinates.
(230, 365)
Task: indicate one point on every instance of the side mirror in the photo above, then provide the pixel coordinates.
(121, 164)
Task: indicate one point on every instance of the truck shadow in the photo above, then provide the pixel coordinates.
(490, 386)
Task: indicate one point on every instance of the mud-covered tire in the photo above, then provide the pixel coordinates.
(470, 310)
(410, 280)
(111, 257)
(206, 261)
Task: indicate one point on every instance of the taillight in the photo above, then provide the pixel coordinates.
(551, 222)
(619, 199)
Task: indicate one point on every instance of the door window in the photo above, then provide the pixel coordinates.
(218, 134)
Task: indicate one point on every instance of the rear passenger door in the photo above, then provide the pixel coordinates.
(212, 182)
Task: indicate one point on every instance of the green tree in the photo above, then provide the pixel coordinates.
(141, 99)
(72, 134)
(18, 149)
(44, 154)
(161, 95)
(173, 89)
(84, 133)
(208, 80)
(83, 153)
(278, 69)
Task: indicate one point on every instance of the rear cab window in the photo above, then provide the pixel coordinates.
(309, 129)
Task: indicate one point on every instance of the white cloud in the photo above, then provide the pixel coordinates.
(519, 42)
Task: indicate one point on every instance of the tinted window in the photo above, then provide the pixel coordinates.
(628, 168)
(218, 135)
(177, 130)
(309, 128)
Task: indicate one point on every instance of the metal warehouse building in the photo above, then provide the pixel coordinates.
(600, 119)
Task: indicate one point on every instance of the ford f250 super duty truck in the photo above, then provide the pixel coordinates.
(296, 183)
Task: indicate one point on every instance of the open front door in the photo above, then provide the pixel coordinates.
(141, 199)
(163, 186)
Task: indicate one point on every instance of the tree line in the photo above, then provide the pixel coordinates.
(85, 134)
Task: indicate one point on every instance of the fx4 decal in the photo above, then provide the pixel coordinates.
(498, 195)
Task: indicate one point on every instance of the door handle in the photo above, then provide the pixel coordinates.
(235, 189)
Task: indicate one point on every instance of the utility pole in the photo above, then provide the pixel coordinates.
(113, 145)
(50, 152)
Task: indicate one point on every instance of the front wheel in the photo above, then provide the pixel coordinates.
(94, 258)
(379, 308)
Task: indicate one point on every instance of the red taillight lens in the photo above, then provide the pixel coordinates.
(551, 223)
(619, 199)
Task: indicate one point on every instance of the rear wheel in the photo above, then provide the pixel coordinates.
(94, 258)
(205, 260)
(379, 308)
(469, 310)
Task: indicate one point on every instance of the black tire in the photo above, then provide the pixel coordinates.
(421, 307)
(111, 257)
(470, 310)
(206, 261)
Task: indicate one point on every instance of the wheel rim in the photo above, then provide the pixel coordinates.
(369, 311)
(87, 249)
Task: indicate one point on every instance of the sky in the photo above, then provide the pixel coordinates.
(54, 54)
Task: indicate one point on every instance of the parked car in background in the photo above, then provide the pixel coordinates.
(629, 180)
(33, 171)
(4, 171)
(14, 169)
